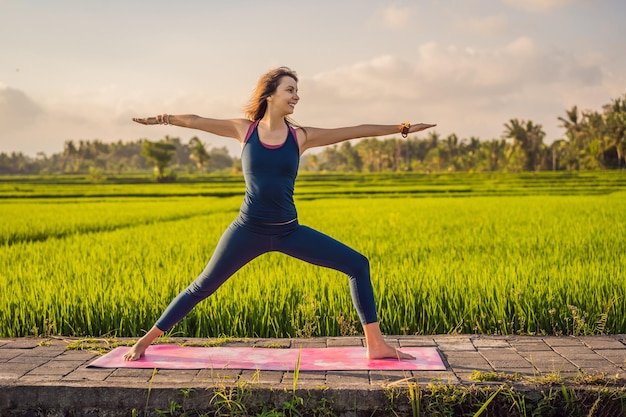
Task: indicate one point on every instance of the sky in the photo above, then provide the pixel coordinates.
(80, 69)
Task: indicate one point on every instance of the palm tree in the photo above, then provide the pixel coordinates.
(494, 153)
(70, 157)
(571, 123)
(199, 153)
(369, 151)
(351, 156)
(592, 141)
(471, 150)
(559, 149)
(527, 141)
(615, 118)
(433, 140)
(451, 147)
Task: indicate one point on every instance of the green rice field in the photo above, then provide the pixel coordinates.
(455, 253)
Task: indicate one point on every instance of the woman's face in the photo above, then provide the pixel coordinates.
(286, 96)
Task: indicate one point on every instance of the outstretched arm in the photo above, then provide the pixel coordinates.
(314, 136)
(231, 128)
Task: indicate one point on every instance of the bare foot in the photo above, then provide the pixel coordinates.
(386, 352)
(136, 352)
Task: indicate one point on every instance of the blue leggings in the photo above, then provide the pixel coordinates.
(244, 241)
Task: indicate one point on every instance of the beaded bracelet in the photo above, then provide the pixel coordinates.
(404, 129)
(163, 119)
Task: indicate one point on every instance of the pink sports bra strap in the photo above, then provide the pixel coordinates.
(293, 133)
(250, 130)
(253, 125)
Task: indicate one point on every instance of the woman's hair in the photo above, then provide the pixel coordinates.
(267, 85)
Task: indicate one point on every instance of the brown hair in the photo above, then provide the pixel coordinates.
(267, 85)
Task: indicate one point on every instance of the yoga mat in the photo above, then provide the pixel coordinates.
(311, 359)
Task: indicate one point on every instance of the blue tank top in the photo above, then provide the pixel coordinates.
(270, 174)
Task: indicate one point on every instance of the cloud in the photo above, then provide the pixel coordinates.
(451, 71)
(103, 114)
(539, 6)
(17, 110)
(469, 91)
(486, 25)
(396, 17)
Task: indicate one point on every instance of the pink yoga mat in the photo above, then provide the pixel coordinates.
(311, 359)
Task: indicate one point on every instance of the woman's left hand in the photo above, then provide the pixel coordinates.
(420, 126)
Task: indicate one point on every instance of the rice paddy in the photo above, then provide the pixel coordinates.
(463, 253)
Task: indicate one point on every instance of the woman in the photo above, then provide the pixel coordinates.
(271, 148)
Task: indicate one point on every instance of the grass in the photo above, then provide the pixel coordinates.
(320, 185)
(521, 260)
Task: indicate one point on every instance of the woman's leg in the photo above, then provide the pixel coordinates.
(319, 249)
(236, 247)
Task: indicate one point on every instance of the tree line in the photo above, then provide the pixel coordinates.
(165, 157)
(592, 140)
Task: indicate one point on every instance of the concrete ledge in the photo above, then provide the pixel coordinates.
(79, 401)
(40, 377)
